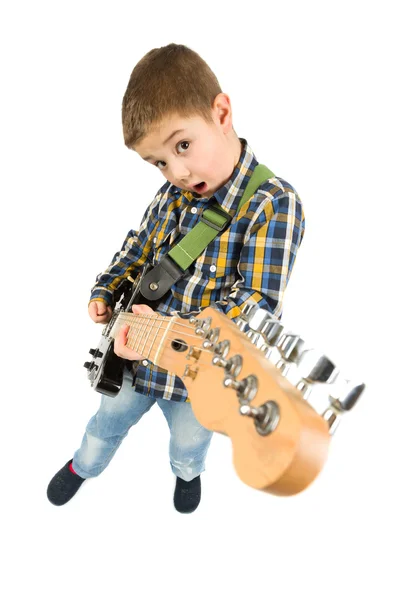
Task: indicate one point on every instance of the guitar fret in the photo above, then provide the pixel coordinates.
(130, 334)
(160, 321)
(163, 338)
(149, 327)
(142, 327)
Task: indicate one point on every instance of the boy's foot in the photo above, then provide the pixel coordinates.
(187, 494)
(64, 485)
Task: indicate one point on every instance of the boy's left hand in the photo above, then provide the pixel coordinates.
(120, 348)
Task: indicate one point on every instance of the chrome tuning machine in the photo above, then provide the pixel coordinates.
(262, 328)
(246, 389)
(314, 367)
(246, 311)
(203, 326)
(266, 417)
(345, 395)
(290, 346)
(232, 366)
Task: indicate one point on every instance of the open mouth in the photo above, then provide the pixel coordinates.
(200, 187)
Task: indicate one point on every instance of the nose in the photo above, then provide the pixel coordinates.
(179, 172)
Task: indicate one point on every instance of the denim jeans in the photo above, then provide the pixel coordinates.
(189, 441)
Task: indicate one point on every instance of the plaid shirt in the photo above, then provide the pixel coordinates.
(251, 260)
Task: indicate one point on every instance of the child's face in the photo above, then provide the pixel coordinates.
(202, 152)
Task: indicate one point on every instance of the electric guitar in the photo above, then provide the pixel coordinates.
(258, 387)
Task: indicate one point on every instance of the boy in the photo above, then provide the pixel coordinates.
(176, 117)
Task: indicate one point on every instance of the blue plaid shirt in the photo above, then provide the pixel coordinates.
(251, 260)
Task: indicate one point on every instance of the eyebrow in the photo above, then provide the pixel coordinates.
(167, 140)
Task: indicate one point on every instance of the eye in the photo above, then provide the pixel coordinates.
(161, 161)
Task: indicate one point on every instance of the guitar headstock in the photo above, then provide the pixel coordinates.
(255, 382)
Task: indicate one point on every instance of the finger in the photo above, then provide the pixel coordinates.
(141, 309)
(102, 309)
(121, 339)
(120, 347)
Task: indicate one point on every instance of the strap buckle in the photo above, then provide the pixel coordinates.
(214, 225)
(159, 280)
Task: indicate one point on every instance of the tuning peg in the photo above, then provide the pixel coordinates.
(248, 309)
(254, 337)
(346, 394)
(271, 332)
(258, 317)
(314, 367)
(233, 366)
(266, 417)
(211, 337)
(242, 320)
(246, 389)
(290, 346)
(204, 327)
(341, 400)
(332, 417)
(222, 349)
(264, 329)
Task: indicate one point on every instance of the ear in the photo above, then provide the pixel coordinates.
(222, 112)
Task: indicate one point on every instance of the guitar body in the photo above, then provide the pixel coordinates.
(106, 369)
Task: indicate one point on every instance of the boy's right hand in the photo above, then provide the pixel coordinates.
(99, 312)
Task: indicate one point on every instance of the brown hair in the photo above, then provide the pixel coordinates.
(169, 80)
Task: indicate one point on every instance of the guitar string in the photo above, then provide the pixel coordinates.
(151, 319)
(127, 315)
(170, 339)
(128, 319)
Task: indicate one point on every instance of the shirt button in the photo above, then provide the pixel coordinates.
(193, 210)
(145, 363)
(213, 268)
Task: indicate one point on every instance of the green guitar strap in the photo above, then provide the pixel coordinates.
(213, 220)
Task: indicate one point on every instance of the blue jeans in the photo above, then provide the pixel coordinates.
(189, 441)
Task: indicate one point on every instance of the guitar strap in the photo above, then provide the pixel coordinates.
(213, 220)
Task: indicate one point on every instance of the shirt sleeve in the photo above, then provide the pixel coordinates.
(128, 261)
(267, 257)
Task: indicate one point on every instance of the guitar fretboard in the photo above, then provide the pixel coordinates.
(147, 335)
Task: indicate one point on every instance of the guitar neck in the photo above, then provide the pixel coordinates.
(153, 336)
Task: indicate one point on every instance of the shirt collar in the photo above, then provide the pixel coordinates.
(228, 196)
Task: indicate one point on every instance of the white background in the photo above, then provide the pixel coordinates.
(313, 90)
